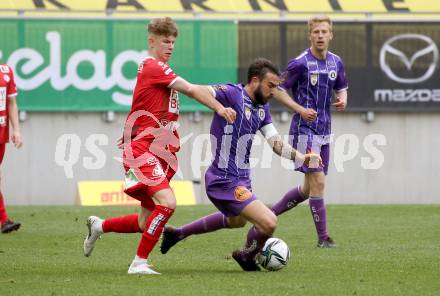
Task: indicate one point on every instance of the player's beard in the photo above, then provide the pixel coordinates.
(258, 95)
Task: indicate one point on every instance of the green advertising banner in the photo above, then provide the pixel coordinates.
(91, 65)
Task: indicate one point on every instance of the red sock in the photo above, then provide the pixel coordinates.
(153, 229)
(122, 224)
(3, 214)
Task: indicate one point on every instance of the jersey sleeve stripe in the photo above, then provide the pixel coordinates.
(174, 80)
(269, 130)
(211, 89)
(342, 89)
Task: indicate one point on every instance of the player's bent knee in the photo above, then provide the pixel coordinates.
(268, 229)
(272, 226)
(169, 204)
(269, 225)
(165, 198)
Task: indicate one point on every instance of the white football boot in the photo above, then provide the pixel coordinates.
(140, 266)
(94, 224)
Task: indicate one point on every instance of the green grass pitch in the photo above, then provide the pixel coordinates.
(382, 250)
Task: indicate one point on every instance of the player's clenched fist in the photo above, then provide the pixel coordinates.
(227, 113)
(340, 104)
(308, 114)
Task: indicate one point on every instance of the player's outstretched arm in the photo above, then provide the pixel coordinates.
(13, 118)
(283, 149)
(341, 100)
(203, 95)
(308, 114)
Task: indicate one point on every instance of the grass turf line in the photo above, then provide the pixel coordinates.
(382, 250)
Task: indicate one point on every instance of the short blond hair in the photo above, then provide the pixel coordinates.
(319, 19)
(165, 26)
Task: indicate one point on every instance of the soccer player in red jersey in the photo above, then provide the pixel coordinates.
(150, 143)
(8, 112)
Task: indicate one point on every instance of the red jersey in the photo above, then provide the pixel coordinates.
(7, 89)
(161, 103)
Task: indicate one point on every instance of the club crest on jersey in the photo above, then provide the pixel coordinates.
(313, 79)
(261, 114)
(332, 75)
(247, 112)
(158, 171)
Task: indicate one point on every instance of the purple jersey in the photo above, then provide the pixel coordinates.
(312, 82)
(231, 143)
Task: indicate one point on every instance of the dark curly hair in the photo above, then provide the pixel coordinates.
(260, 67)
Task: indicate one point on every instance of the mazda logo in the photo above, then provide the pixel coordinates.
(408, 61)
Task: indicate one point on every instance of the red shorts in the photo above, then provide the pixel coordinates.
(2, 151)
(146, 173)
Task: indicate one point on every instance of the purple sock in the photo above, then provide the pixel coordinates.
(254, 243)
(290, 200)
(317, 208)
(205, 224)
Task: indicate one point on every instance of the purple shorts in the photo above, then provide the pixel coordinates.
(229, 195)
(305, 144)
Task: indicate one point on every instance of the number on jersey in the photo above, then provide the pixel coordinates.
(174, 102)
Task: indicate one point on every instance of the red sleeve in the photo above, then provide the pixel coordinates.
(11, 89)
(158, 73)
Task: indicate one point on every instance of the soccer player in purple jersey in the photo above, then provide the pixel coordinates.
(228, 183)
(312, 77)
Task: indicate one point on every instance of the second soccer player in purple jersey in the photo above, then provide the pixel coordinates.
(313, 77)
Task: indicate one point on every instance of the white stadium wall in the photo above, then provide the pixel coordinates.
(362, 169)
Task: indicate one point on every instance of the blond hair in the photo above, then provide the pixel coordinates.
(319, 19)
(165, 26)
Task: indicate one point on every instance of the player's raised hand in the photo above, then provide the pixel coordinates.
(340, 104)
(312, 160)
(308, 114)
(227, 113)
(16, 139)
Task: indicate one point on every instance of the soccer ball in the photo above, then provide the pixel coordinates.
(274, 255)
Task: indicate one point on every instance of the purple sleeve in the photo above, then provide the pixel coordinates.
(222, 94)
(341, 80)
(291, 74)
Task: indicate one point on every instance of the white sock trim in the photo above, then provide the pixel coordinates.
(139, 259)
